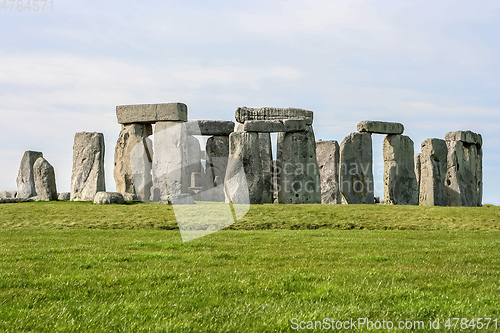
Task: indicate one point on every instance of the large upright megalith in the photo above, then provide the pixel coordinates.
(133, 160)
(45, 180)
(400, 182)
(464, 169)
(433, 173)
(88, 176)
(266, 158)
(356, 169)
(244, 155)
(169, 159)
(299, 179)
(25, 178)
(328, 155)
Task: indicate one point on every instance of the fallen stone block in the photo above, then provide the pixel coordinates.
(268, 113)
(64, 196)
(380, 127)
(151, 113)
(106, 198)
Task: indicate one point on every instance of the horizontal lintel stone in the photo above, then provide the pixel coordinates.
(269, 113)
(210, 127)
(151, 113)
(465, 136)
(380, 127)
(270, 126)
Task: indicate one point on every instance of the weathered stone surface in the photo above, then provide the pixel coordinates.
(462, 179)
(479, 174)
(380, 127)
(210, 127)
(298, 177)
(181, 199)
(193, 158)
(217, 152)
(64, 196)
(169, 174)
(418, 167)
(400, 182)
(266, 157)
(133, 160)
(106, 198)
(268, 113)
(244, 155)
(270, 126)
(433, 173)
(356, 169)
(25, 180)
(88, 176)
(328, 155)
(45, 180)
(465, 136)
(131, 197)
(8, 194)
(151, 113)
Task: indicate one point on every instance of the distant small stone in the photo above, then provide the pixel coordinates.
(108, 198)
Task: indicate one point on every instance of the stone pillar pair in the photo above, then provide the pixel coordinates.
(295, 174)
(36, 178)
(356, 165)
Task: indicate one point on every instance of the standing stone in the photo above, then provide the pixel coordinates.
(461, 175)
(45, 180)
(133, 160)
(193, 158)
(479, 173)
(400, 182)
(266, 156)
(433, 173)
(25, 180)
(64, 196)
(356, 169)
(217, 152)
(88, 176)
(244, 156)
(418, 167)
(169, 176)
(328, 154)
(299, 178)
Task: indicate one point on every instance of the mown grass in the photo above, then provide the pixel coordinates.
(66, 267)
(260, 217)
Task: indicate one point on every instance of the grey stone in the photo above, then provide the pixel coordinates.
(25, 180)
(269, 113)
(193, 158)
(462, 179)
(64, 196)
(88, 176)
(400, 181)
(418, 167)
(433, 173)
(170, 146)
(210, 127)
(479, 174)
(465, 136)
(244, 155)
(380, 127)
(131, 197)
(133, 160)
(181, 199)
(106, 198)
(151, 113)
(328, 155)
(298, 177)
(45, 180)
(217, 152)
(270, 126)
(266, 157)
(8, 195)
(356, 169)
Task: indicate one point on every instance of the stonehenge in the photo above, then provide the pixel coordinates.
(241, 166)
(87, 177)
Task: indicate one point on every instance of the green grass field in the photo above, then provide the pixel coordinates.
(78, 267)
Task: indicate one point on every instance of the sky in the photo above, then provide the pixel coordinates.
(432, 65)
